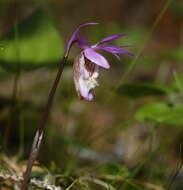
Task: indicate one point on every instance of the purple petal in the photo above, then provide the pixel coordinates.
(72, 38)
(111, 38)
(82, 42)
(114, 49)
(96, 58)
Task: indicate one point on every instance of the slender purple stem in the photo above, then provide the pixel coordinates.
(41, 129)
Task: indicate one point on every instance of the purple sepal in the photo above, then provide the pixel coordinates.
(82, 42)
(73, 37)
(111, 38)
(114, 49)
(85, 77)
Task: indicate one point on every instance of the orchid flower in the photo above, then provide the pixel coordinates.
(89, 61)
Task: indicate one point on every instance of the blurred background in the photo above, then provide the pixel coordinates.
(130, 136)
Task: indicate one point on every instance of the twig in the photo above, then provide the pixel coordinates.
(35, 182)
(72, 184)
(41, 129)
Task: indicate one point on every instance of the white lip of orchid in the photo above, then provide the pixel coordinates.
(86, 74)
(90, 81)
(84, 70)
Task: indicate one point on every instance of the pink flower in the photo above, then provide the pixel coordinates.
(88, 62)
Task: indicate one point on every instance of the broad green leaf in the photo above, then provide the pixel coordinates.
(161, 112)
(136, 90)
(31, 44)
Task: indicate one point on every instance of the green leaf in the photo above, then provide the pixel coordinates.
(31, 44)
(136, 90)
(161, 112)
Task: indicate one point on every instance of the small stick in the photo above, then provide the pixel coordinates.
(41, 129)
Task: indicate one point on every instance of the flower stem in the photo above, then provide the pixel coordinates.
(41, 129)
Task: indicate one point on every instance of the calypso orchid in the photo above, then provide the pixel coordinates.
(87, 63)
